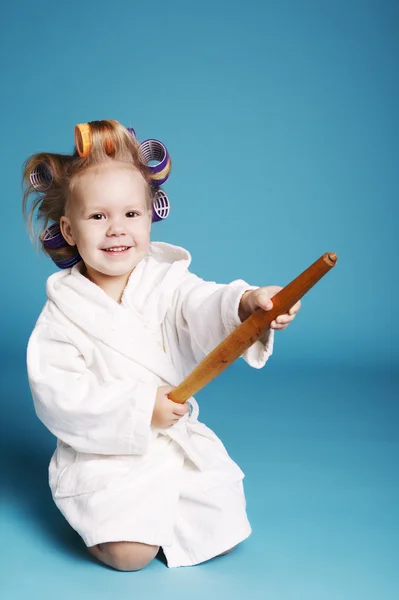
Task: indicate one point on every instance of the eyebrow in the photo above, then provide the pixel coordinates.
(101, 208)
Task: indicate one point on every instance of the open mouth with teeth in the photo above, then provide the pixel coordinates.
(116, 249)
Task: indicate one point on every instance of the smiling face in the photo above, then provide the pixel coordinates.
(108, 218)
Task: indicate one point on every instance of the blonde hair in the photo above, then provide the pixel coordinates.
(109, 141)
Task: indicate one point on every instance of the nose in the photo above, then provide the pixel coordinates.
(115, 227)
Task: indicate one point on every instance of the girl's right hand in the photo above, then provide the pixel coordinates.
(166, 412)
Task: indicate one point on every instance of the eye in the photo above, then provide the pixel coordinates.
(131, 213)
(97, 217)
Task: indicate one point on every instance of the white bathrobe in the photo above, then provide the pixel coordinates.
(94, 367)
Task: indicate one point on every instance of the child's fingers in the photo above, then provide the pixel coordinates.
(285, 319)
(294, 309)
(171, 422)
(275, 325)
(180, 409)
(166, 389)
(262, 299)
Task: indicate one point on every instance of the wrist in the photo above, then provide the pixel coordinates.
(244, 309)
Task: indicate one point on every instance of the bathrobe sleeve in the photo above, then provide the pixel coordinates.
(206, 312)
(104, 417)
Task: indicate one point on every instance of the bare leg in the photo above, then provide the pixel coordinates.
(124, 556)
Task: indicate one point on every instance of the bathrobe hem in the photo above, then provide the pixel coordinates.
(177, 556)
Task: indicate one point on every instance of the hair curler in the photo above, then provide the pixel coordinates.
(53, 239)
(154, 150)
(41, 177)
(160, 206)
(82, 139)
(68, 262)
(151, 150)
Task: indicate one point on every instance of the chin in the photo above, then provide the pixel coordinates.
(117, 270)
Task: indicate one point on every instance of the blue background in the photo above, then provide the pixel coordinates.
(281, 120)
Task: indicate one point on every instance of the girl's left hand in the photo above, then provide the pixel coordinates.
(261, 298)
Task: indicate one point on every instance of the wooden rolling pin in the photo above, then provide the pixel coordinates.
(251, 330)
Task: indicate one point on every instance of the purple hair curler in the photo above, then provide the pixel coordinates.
(68, 262)
(53, 240)
(160, 206)
(41, 177)
(153, 150)
(132, 132)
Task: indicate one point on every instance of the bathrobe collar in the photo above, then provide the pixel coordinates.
(130, 327)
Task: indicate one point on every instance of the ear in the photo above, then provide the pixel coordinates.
(66, 230)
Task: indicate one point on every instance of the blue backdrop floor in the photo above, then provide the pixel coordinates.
(320, 451)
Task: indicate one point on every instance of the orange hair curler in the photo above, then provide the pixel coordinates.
(82, 139)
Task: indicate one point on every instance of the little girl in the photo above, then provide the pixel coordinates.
(124, 323)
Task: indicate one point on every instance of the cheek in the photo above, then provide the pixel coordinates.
(143, 233)
(86, 237)
(145, 239)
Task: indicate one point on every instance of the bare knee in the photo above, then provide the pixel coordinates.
(124, 556)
